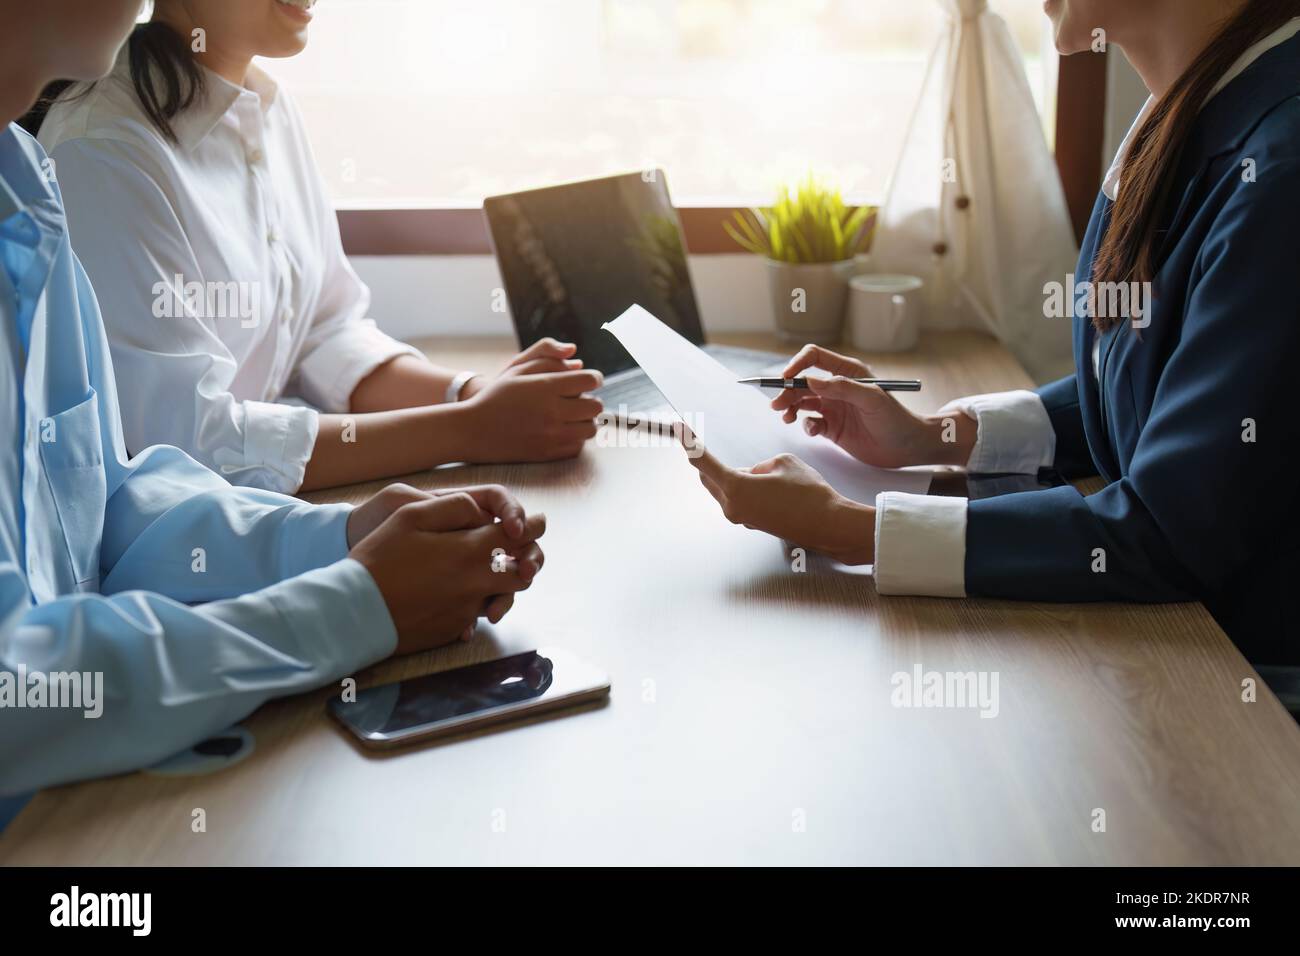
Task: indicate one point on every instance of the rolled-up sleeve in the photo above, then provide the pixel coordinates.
(278, 442)
(174, 373)
(340, 352)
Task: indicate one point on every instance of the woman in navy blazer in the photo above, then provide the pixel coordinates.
(1178, 402)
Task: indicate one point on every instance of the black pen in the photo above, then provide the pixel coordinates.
(887, 384)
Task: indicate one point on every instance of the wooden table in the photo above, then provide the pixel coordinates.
(750, 720)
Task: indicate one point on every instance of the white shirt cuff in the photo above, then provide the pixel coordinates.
(278, 441)
(330, 373)
(1014, 435)
(920, 544)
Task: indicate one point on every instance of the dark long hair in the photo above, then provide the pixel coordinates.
(1129, 249)
(166, 77)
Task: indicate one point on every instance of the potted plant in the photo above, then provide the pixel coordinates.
(809, 238)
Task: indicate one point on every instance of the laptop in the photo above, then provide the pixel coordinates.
(577, 255)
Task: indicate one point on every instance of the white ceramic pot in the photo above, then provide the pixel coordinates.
(808, 299)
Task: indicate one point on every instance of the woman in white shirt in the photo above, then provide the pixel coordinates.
(197, 210)
(1181, 407)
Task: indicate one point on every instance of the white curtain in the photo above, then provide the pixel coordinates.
(975, 206)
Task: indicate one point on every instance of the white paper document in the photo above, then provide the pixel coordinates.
(735, 422)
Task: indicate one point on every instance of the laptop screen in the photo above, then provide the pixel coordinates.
(576, 256)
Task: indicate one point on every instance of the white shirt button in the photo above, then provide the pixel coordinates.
(255, 156)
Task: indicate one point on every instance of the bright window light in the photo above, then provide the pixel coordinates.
(439, 103)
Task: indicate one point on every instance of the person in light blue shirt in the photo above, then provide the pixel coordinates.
(145, 603)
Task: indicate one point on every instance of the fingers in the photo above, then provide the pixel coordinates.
(775, 465)
(804, 403)
(789, 396)
(565, 440)
(718, 474)
(842, 389)
(529, 561)
(694, 451)
(498, 607)
(452, 511)
(824, 358)
(499, 571)
(545, 348)
(715, 476)
(579, 432)
(460, 511)
(534, 527)
(540, 366)
(712, 488)
(370, 514)
(581, 409)
(568, 384)
(814, 425)
(523, 568)
(766, 467)
(496, 501)
(399, 493)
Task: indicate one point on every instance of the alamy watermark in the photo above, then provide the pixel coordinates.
(208, 300)
(75, 690)
(75, 908)
(973, 690)
(634, 430)
(1098, 300)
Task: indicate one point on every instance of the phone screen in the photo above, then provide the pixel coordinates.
(453, 698)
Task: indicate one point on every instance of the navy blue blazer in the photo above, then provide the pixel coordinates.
(1193, 509)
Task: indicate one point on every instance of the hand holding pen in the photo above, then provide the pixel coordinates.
(869, 423)
(885, 384)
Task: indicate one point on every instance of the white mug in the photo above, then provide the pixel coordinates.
(884, 312)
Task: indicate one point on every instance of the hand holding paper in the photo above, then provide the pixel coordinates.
(786, 498)
(734, 421)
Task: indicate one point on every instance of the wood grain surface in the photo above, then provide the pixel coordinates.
(751, 718)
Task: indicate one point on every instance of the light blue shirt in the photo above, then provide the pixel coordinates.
(102, 557)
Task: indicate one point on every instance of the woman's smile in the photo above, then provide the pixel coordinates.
(297, 10)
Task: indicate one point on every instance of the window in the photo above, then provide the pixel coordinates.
(439, 103)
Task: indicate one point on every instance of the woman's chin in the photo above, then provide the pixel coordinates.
(284, 45)
(291, 30)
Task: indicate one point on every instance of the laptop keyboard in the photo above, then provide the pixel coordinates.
(748, 362)
(636, 392)
(643, 401)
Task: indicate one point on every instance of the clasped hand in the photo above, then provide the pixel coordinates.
(539, 408)
(443, 559)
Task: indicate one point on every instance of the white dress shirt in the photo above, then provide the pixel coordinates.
(921, 539)
(235, 211)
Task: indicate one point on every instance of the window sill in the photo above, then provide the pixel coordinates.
(463, 231)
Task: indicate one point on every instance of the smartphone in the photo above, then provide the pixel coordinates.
(465, 698)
